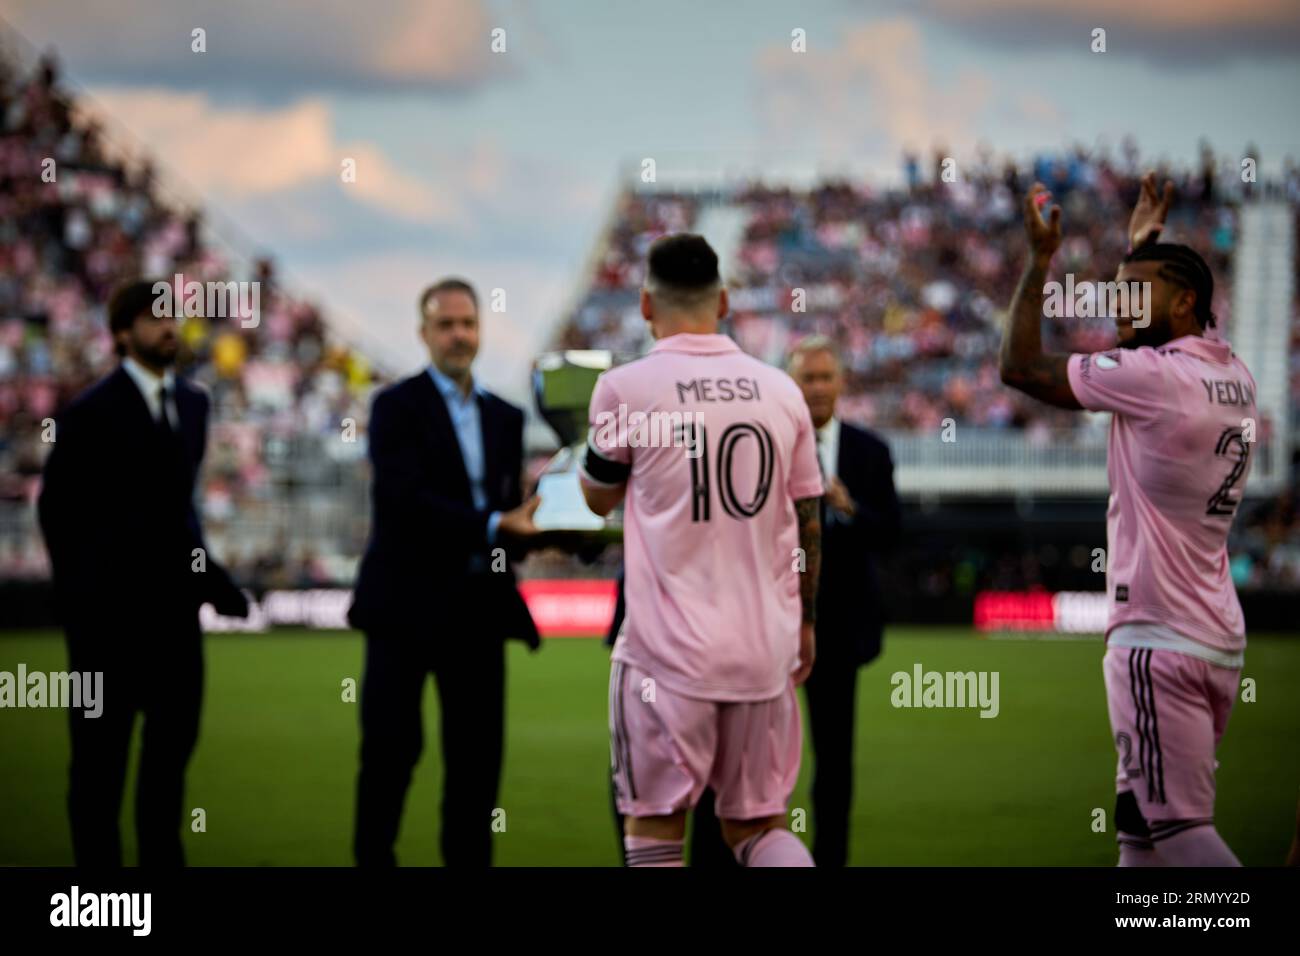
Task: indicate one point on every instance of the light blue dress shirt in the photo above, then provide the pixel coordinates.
(466, 422)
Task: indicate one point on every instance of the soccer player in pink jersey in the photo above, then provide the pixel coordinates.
(1180, 439)
(716, 455)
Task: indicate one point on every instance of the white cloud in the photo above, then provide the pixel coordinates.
(868, 97)
(287, 47)
(240, 153)
(1179, 33)
(1166, 14)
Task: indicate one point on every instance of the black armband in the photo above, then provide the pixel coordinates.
(602, 470)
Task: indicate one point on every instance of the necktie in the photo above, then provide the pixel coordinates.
(164, 422)
(822, 511)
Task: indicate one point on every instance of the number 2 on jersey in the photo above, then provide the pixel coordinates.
(1230, 442)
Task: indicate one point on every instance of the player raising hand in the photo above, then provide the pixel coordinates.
(1183, 408)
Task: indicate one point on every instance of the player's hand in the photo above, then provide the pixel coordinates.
(837, 496)
(1044, 234)
(1149, 214)
(517, 523)
(807, 651)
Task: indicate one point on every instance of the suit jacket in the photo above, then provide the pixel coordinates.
(415, 574)
(117, 510)
(850, 610)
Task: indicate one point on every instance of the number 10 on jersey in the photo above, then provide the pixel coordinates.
(722, 474)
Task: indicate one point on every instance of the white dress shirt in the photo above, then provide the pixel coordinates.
(150, 385)
(828, 447)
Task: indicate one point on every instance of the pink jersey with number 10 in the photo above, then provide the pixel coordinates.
(1180, 446)
(725, 447)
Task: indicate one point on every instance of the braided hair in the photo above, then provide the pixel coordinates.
(1184, 267)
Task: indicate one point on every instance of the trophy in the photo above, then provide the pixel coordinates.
(562, 384)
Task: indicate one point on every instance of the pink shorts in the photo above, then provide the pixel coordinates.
(1168, 711)
(666, 748)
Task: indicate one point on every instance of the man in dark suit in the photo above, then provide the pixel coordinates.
(861, 520)
(436, 592)
(131, 570)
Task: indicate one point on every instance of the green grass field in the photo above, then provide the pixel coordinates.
(276, 761)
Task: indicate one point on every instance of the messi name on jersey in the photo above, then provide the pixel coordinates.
(740, 389)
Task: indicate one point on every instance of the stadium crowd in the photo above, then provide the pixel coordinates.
(66, 238)
(909, 281)
(912, 281)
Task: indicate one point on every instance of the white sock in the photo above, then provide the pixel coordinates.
(775, 847)
(1137, 851)
(1196, 846)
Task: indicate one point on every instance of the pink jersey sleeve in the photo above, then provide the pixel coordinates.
(1129, 382)
(608, 457)
(805, 472)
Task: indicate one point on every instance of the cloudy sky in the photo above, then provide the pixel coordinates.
(502, 165)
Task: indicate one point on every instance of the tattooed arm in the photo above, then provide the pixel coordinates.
(1023, 364)
(810, 541)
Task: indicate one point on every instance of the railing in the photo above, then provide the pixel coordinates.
(989, 463)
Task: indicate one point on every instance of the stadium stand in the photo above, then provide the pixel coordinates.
(910, 281)
(281, 391)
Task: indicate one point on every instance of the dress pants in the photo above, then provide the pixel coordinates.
(469, 669)
(154, 671)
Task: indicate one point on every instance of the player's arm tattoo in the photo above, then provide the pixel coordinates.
(810, 541)
(1023, 364)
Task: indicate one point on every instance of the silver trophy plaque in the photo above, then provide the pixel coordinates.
(562, 385)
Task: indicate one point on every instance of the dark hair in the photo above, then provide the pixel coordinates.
(1183, 266)
(447, 285)
(683, 263)
(128, 302)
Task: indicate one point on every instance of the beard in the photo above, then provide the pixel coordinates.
(1153, 335)
(161, 355)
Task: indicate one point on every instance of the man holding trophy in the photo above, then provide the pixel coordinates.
(436, 591)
